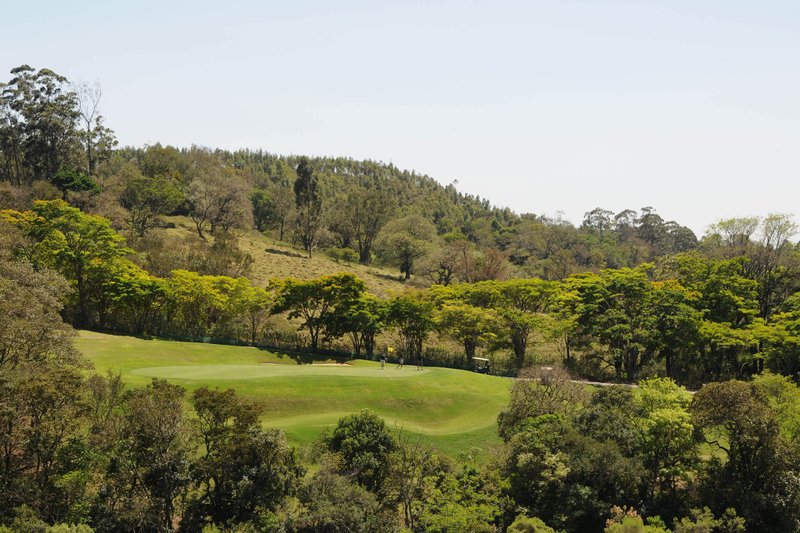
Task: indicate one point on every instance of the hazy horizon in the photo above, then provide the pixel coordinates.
(541, 107)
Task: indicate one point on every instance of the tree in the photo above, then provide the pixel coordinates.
(263, 211)
(308, 199)
(98, 140)
(317, 302)
(566, 479)
(138, 298)
(257, 303)
(445, 265)
(609, 416)
(244, 470)
(463, 498)
(636, 320)
(364, 444)
(42, 406)
(737, 420)
(217, 199)
(411, 464)
(40, 126)
(539, 392)
(598, 221)
(406, 240)
(149, 465)
(147, 199)
(703, 521)
(331, 502)
(368, 211)
(283, 198)
(667, 443)
(67, 180)
(521, 307)
(471, 326)
(524, 524)
(771, 259)
(412, 316)
(76, 244)
(361, 320)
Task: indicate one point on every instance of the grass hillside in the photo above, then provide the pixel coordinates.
(452, 410)
(273, 259)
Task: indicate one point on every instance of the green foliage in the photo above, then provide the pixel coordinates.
(465, 500)
(539, 392)
(471, 326)
(331, 502)
(610, 415)
(737, 419)
(39, 126)
(364, 445)
(71, 180)
(703, 521)
(318, 302)
(635, 320)
(361, 320)
(567, 479)
(147, 199)
(244, 470)
(308, 200)
(524, 524)
(412, 316)
(81, 247)
(405, 241)
(627, 520)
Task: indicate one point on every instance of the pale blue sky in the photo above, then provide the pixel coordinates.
(692, 107)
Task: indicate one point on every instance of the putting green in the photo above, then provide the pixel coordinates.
(452, 410)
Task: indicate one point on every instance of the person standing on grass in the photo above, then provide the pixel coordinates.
(383, 360)
(419, 362)
(400, 362)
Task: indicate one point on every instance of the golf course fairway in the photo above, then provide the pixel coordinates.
(454, 411)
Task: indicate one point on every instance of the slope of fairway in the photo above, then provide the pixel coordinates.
(453, 410)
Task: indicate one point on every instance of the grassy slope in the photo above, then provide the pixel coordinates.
(273, 259)
(454, 411)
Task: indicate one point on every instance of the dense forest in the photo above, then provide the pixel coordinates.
(89, 239)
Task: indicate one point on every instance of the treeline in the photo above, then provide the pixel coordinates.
(690, 317)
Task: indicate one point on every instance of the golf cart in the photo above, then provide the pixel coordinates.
(480, 365)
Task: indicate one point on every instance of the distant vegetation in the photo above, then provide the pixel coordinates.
(95, 236)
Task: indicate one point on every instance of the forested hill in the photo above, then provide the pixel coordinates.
(54, 143)
(468, 239)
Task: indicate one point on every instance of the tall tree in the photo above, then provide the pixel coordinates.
(368, 211)
(98, 140)
(772, 260)
(412, 315)
(308, 199)
(42, 112)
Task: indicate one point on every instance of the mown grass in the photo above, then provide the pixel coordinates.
(451, 410)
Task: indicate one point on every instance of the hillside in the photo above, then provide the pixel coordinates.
(274, 259)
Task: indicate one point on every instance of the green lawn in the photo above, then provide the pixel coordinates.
(452, 410)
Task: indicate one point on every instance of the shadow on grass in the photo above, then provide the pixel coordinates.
(302, 357)
(390, 277)
(285, 253)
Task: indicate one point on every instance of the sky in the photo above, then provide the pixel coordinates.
(548, 107)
